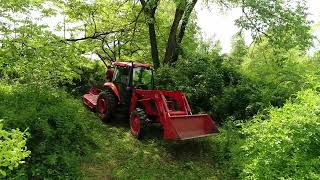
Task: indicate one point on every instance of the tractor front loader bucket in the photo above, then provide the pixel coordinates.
(183, 127)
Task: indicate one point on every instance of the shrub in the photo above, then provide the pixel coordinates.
(13, 149)
(269, 77)
(200, 78)
(28, 61)
(239, 101)
(59, 128)
(89, 73)
(286, 146)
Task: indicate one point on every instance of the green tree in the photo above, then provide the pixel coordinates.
(238, 51)
(283, 23)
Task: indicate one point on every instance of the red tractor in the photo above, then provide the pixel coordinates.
(132, 89)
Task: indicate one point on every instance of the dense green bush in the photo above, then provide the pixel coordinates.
(89, 73)
(281, 72)
(268, 78)
(13, 150)
(59, 127)
(284, 146)
(214, 88)
(239, 101)
(201, 79)
(28, 61)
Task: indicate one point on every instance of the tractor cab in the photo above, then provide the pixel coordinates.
(131, 75)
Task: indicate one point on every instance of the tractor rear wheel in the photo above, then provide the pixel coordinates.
(138, 123)
(106, 105)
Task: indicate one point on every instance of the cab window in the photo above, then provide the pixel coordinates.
(121, 75)
(142, 78)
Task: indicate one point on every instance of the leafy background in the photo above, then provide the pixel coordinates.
(265, 97)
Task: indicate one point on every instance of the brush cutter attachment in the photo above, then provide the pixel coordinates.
(91, 97)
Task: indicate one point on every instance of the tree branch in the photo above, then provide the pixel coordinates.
(102, 59)
(252, 23)
(97, 35)
(136, 21)
(105, 51)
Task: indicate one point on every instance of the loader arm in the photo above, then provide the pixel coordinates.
(177, 120)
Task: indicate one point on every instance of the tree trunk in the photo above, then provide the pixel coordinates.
(154, 46)
(185, 21)
(172, 40)
(150, 12)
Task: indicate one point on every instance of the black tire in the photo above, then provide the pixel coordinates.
(141, 114)
(110, 102)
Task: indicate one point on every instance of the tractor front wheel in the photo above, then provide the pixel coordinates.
(137, 123)
(106, 105)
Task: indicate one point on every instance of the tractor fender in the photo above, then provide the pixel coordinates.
(133, 104)
(113, 88)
